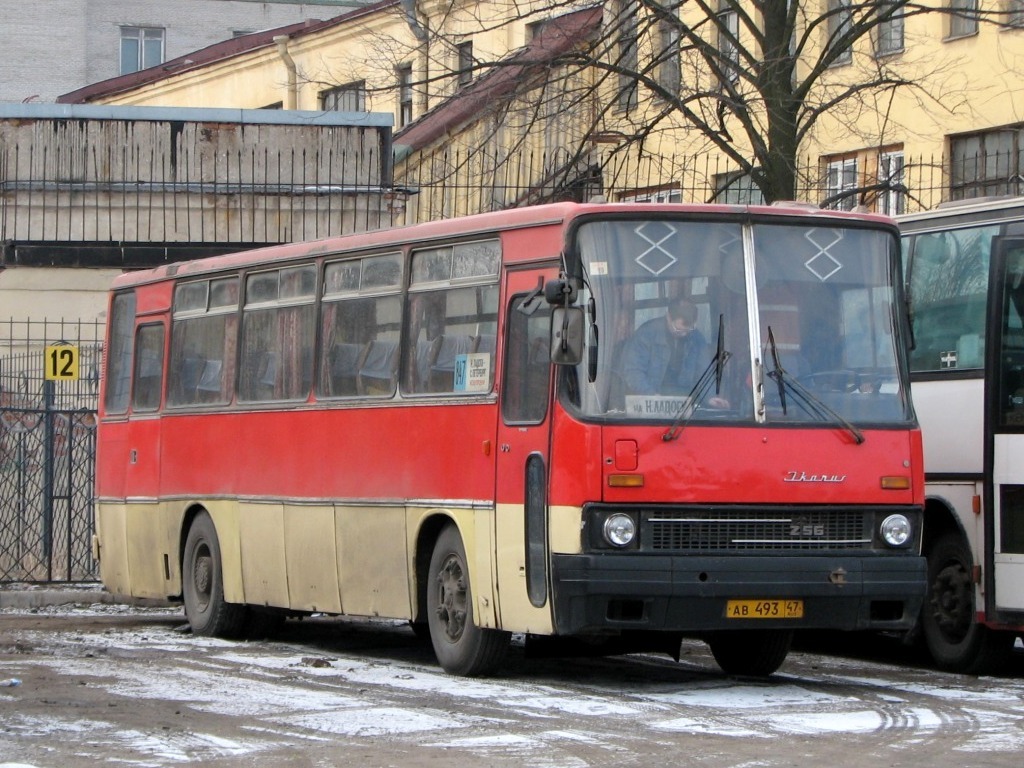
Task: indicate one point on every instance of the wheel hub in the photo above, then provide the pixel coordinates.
(452, 598)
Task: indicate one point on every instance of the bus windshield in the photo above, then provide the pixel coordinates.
(694, 321)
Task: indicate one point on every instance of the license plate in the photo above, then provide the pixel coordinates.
(764, 609)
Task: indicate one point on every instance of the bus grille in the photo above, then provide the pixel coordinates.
(717, 530)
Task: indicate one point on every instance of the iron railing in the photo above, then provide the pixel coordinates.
(47, 453)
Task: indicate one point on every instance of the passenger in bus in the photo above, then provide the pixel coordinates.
(667, 355)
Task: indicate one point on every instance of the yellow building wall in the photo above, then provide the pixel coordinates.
(962, 85)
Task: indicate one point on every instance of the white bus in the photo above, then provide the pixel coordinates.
(965, 271)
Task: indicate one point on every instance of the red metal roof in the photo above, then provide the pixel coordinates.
(554, 39)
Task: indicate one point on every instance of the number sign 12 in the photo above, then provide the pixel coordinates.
(61, 362)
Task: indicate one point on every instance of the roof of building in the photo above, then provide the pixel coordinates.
(211, 54)
(554, 39)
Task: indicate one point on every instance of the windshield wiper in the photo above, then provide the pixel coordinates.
(713, 373)
(810, 402)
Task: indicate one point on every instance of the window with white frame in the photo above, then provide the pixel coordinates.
(889, 33)
(840, 20)
(141, 48)
(350, 97)
(737, 188)
(664, 195)
(892, 198)
(840, 183)
(728, 47)
(963, 18)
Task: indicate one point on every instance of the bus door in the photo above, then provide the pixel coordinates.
(1004, 524)
(522, 455)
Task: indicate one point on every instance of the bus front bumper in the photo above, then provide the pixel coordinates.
(621, 591)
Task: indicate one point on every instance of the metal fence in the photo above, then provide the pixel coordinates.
(47, 452)
(250, 194)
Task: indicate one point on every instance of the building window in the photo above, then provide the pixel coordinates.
(627, 52)
(668, 63)
(892, 198)
(663, 195)
(841, 183)
(737, 188)
(963, 18)
(840, 20)
(889, 35)
(1015, 13)
(987, 163)
(465, 63)
(350, 97)
(728, 47)
(404, 95)
(141, 48)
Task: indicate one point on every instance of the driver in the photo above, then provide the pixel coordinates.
(667, 355)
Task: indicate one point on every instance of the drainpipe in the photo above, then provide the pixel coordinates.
(291, 98)
(409, 7)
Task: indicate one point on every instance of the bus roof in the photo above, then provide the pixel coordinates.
(477, 224)
(964, 212)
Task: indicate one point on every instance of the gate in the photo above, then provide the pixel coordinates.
(48, 449)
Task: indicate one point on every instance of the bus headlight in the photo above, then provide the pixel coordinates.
(895, 530)
(619, 529)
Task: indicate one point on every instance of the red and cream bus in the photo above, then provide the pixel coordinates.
(438, 424)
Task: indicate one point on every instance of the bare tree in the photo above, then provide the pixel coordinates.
(750, 80)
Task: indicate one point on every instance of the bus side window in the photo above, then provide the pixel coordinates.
(527, 365)
(119, 355)
(149, 367)
(948, 287)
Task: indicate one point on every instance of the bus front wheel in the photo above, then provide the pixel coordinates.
(203, 584)
(750, 652)
(952, 634)
(461, 647)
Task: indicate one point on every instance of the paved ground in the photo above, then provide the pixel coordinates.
(109, 682)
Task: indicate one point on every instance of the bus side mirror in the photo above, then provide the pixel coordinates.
(559, 292)
(567, 335)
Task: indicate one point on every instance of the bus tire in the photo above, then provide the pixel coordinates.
(750, 652)
(203, 585)
(954, 638)
(461, 647)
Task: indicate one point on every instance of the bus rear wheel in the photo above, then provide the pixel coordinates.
(203, 585)
(952, 634)
(750, 652)
(461, 647)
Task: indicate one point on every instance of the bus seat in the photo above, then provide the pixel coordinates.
(209, 388)
(442, 370)
(267, 372)
(344, 367)
(426, 352)
(485, 343)
(188, 379)
(378, 368)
